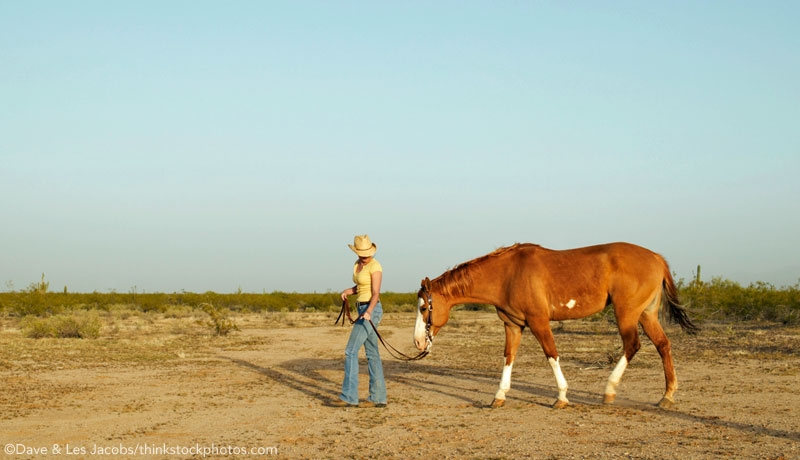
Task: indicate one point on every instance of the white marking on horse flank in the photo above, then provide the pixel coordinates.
(560, 380)
(571, 303)
(616, 376)
(505, 382)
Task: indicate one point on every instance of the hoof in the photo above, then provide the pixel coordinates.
(666, 403)
(560, 404)
(498, 403)
(609, 399)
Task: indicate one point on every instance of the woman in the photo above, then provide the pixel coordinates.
(367, 274)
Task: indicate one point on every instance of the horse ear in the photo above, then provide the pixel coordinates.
(426, 284)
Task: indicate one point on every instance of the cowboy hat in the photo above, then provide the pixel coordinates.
(363, 246)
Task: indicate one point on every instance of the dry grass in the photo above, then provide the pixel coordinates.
(134, 338)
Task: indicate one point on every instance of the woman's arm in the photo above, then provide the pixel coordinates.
(376, 294)
(347, 292)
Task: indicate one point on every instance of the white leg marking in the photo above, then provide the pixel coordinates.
(616, 376)
(505, 382)
(571, 303)
(560, 380)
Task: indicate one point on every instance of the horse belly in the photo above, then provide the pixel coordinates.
(576, 307)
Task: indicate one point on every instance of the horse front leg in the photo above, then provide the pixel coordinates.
(541, 329)
(513, 337)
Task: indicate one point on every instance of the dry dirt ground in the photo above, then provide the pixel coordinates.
(160, 381)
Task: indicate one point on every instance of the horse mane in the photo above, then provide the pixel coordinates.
(457, 282)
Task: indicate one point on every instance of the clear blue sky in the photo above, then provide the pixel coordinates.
(215, 145)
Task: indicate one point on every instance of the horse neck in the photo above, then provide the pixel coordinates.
(474, 282)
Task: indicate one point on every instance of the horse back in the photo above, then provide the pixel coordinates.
(575, 283)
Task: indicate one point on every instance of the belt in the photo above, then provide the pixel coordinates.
(361, 304)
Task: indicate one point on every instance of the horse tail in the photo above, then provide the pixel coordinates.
(669, 301)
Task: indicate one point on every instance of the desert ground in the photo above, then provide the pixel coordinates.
(164, 380)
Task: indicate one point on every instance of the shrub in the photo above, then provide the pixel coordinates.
(37, 328)
(219, 322)
(726, 299)
(76, 325)
(719, 299)
(475, 307)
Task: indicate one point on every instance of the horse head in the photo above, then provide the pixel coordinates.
(429, 318)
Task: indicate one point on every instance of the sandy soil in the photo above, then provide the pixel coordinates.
(165, 382)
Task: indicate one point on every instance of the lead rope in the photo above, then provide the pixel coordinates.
(392, 350)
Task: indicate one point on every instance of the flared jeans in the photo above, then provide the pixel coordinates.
(362, 334)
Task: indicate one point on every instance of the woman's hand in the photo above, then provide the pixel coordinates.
(348, 292)
(367, 316)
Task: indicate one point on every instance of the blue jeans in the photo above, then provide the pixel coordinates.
(362, 334)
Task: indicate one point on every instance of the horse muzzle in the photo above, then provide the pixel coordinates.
(424, 345)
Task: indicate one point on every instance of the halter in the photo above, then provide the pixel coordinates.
(428, 322)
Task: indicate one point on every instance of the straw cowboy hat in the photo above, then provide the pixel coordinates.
(363, 246)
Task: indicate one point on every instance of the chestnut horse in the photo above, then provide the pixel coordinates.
(531, 286)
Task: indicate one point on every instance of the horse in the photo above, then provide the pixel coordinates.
(530, 286)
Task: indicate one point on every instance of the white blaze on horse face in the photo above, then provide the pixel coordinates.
(505, 382)
(419, 327)
(616, 376)
(560, 380)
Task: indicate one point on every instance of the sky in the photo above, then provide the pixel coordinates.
(197, 145)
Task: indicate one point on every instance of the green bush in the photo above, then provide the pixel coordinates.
(220, 323)
(719, 299)
(39, 302)
(726, 299)
(85, 325)
(36, 328)
(475, 307)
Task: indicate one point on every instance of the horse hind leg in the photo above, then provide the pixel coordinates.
(652, 328)
(513, 337)
(629, 331)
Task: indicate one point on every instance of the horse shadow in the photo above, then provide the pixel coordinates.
(307, 376)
